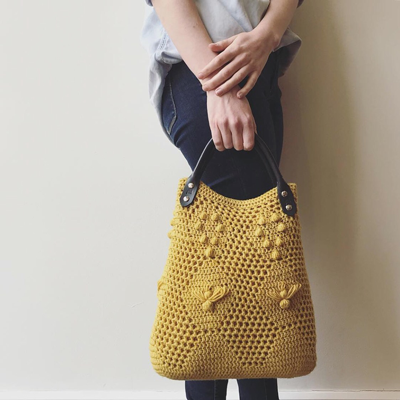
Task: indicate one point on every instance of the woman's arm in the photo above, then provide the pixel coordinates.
(277, 19)
(182, 21)
(231, 120)
(248, 52)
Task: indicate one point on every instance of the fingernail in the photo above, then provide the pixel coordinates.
(240, 95)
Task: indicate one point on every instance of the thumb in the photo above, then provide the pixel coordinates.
(222, 44)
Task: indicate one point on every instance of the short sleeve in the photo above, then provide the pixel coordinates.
(298, 5)
(149, 3)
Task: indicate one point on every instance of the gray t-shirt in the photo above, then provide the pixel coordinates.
(222, 19)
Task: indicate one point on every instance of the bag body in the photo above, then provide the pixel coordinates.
(234, 298)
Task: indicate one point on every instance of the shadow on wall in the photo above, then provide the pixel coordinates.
(357, 335)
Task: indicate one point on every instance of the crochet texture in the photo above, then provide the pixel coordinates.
(234, 298)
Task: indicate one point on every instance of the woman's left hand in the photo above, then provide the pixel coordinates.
(244, 54)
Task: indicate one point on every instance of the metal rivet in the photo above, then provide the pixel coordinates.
(288, 207)
(284, 193)
(191, 185)
(186, 198)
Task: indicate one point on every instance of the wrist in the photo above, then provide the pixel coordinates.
(267, 35)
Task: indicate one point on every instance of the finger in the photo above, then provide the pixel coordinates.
(237, 130)
(219, 61)
(229, 71)
(232, 82)
(217, 138)
(237, 137)
(227, 138)
(226, 135)
(248, 86)
(222, 44)
(249, 129)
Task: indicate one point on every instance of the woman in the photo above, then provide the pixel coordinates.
(214, 69)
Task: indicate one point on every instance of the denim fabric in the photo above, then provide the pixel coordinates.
(249, 389)
(222, 19)
(232, 173)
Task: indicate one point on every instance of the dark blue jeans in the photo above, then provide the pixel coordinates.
(232, 173)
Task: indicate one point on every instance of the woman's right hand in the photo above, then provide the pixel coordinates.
(231, 120)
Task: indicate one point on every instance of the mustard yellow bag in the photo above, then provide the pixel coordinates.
(234, 298)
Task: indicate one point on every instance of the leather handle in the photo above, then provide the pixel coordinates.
(284, 192)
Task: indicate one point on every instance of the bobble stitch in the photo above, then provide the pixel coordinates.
(267, 242)
(259, 232)
(170, 234)
(220, 228)
(275, 254)
(215, 217)
(203, 238)
(214, 240)
(203, 215)
(281, 227)
(210, 252)
(275, 217)
(262, 220)
(278, 241)
(198, 225)
(174, 221)
(160, 284)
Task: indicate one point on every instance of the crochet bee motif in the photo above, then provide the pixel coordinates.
(283, 294)
(210, 296)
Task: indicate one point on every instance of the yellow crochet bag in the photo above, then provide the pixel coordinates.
(234, 298)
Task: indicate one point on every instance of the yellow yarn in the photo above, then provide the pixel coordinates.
(258, 231)
(214, 240)
(275, 254)
(283, 295)
(203, 215)
(214, 217)
(220, 228)
(267, 242)
(281, 227)
(203, 238)
(275, 217)
(210, 252)
(230, 304)
(198, 225)
(210, 296)
(262, 220)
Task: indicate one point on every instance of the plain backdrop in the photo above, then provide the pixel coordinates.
(88, 183)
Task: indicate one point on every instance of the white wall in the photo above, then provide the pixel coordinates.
(88, 185)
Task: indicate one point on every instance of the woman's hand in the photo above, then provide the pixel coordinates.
(231, 121)
(245, 55)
